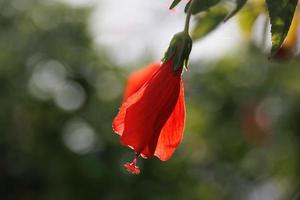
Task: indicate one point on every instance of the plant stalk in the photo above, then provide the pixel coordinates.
(188, 18)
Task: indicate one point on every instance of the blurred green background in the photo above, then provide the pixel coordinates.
(58, 95)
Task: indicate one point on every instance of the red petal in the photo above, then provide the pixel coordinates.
(137, 79)
(118, 122)
(172, 132)
(143, 115)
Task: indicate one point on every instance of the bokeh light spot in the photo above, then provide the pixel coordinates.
(108, 86)
(79, 136)
(70, 96)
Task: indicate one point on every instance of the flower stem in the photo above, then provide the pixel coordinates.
(188, 18)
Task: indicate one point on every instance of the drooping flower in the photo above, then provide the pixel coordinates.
(151, 118)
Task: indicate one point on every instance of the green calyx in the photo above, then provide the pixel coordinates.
(179, 50)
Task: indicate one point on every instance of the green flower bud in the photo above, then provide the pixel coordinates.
(179, 50)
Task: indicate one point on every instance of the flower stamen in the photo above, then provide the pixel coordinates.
(132, 167)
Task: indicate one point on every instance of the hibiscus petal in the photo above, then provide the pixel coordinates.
(172, 132)
(137, 79)
(148, 110)
(118, 122)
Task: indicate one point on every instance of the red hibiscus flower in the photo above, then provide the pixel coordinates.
(151, 118)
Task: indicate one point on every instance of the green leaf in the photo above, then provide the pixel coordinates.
(208, 22)
(201, 5)
(174, 4)
(281, 13)
(239, 5)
